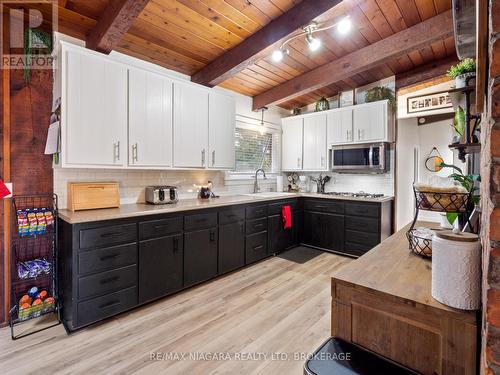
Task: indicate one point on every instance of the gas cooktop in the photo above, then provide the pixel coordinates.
(359, 194)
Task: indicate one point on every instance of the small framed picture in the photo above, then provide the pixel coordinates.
(346, 98)
(428, 102)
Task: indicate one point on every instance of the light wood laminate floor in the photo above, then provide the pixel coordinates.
(280, 305)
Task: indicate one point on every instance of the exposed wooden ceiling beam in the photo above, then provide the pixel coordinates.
(257, 45)
(113, 23)
(425, 72)
(415, 37)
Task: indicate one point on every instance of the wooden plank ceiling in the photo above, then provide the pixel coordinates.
(186, 35)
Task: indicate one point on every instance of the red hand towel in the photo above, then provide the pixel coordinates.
(4, 190)
(286, 215)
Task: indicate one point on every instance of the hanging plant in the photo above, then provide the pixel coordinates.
(35, 40)
(381, 93)
(322, 104)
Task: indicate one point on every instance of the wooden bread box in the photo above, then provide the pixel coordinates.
(88, 196)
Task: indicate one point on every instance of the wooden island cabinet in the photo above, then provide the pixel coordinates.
(382, 301)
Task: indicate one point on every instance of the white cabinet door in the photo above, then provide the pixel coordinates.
(150, 119)
(339, 126)
(94, 111)
(292, 142)
(315, 143)
(190, 126)
(221, 127)
(370, 122)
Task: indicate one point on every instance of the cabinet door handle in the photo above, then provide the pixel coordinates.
(212, 236)
(359, 133)
(213, 158)
(298, 162)
(107, 257)
(176, 244)
(109, 280)
(118, 150)
(134, 152)
(110, 304)
(203, 157)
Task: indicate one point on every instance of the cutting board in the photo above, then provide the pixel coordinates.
(88, 196)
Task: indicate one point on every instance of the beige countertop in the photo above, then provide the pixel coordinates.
(142, 209)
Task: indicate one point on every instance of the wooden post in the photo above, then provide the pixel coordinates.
(6, 167)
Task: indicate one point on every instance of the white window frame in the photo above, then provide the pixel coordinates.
(238, 178)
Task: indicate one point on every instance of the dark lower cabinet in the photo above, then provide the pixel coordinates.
(324, 230)
(231, 246)
(279, 238)
(160, 267)
(200, 256)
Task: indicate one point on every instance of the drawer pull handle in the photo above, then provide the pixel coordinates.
(110, 304)
(258, 225)
(107, 257)
(112, 234)
(109, 280)
(161, 227)
(258, 247)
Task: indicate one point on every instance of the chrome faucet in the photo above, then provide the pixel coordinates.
(256, 187)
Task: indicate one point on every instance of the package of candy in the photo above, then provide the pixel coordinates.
(32, 221)
(41, 227)
(22, 270)
(33, 292)
(49, 218)
(22, 223)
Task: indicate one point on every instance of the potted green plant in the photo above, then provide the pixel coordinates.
(458, 125)
(322, 104)
(381, 93)
(468, 182)
(463, 72)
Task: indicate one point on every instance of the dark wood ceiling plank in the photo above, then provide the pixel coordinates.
(233, 14)
(442, 5)
(439, 50)
(393, 15)
(372, 11)
(449, 44)
(425, 72)
(425, 9)
(440, 26)
(113, 23)
(261, 42)
(279, 71)
(250, 10)
(409, 11)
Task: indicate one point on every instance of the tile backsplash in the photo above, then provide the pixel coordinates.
(133, 182)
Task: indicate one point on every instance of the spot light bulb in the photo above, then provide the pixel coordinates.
(344, 26)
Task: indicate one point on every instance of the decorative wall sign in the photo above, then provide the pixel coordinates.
(429, 102)
(346, 98)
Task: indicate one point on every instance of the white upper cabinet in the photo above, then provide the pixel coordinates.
(371, 122)
(315, 148)
(292, 142)
(150, 119)
(221, 128)
(94, 110)
(190, 126)
(339, 126)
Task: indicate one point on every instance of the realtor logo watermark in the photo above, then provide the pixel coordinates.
(26, 31)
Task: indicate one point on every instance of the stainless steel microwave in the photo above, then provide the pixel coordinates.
(360, 158)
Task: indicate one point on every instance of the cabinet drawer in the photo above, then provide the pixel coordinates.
(159, 228)
(109, 235)
(365, 224)
(106, 259)
(356, 248)
(256, 247)
(102, 307)
(369, 239)
(231, 215)
(362, 209)
(255, 212)
(254, 226)
(106, 282)
(275, 208)
(323, 205)
(200, 221)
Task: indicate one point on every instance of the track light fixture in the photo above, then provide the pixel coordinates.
(314, 43)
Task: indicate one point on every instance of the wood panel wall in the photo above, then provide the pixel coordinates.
(31, 170)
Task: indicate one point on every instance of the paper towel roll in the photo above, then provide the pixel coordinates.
(456, 268)
(279, 183)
